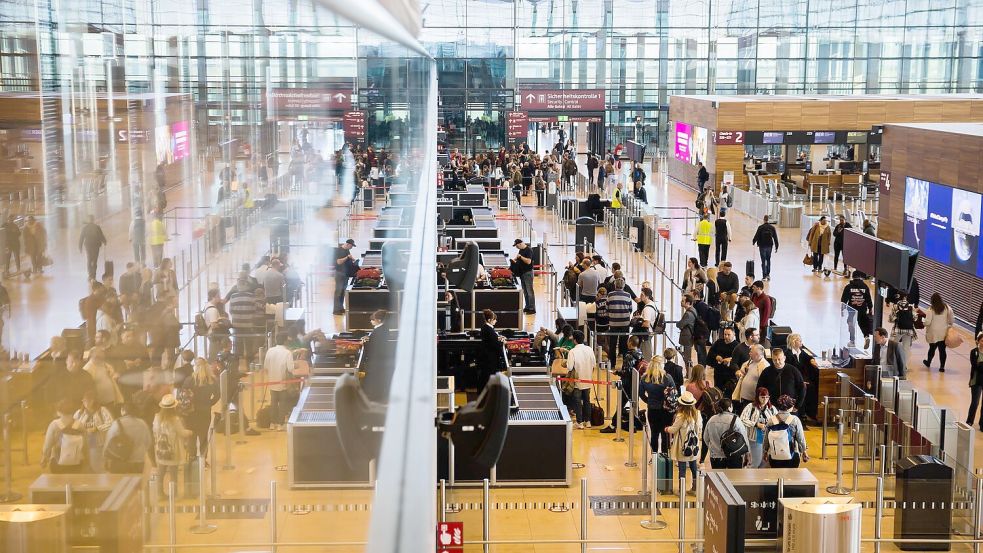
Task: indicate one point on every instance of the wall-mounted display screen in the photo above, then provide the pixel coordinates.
(683, 139)
(773, 137)
(856, 137)
(944, 223)
(824, 137)
(860, 251)
(698, 145)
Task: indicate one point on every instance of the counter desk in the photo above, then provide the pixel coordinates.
(473, 195)
(538, 448)
(759, 489)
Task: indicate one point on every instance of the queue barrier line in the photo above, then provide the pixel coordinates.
(598, 382)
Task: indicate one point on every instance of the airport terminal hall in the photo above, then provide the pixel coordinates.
(491, 276)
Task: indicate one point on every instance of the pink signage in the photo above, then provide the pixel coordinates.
(683, 139)
(179, 134)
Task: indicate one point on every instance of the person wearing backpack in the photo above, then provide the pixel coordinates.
(726, 438)
(63, 451)
(94, 420)
(196, 396)
(128, 442)
(755, 417)
(785, 444)
(170, 437)
(903, 317)
(783, 379)
(685, 434)
(707, 321)
(654, 386)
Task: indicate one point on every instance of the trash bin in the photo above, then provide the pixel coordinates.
(923, 502)
(789, 216)
(585, 230)
(279, 235)
(820, 525)
(503, 195)
(638, 224)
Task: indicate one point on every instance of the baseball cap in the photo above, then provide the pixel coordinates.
(350, 241)
(517, 242)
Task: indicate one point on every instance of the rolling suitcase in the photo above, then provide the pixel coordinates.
(663, 471)
(749, 267)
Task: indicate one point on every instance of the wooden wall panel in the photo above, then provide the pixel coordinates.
(760, 116)
(731, 116)
(815, 115)
(871, 113)
(843, 115)
(957, 111)
(927, 112)
(900, 111)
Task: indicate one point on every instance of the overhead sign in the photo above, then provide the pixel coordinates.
(518, 124)
(728, 138)
(450, 537)
(562, 100)
(564, 119)
(309, 99)
(354, 124)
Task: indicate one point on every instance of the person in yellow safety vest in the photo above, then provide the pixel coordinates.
(616, 197)
(158, 236)
(704, 236)
(248, 202)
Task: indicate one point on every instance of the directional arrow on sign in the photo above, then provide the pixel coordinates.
(530, 97)
(339, 97)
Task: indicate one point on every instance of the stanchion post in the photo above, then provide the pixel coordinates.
(213, 474)
(224, 393)
(822, 450)
(878, 513)
(618, 415)
(9, 495)
(23, 431)
(838, 488)
(681, 530)
(171, 515)
(653, 522)
(698, 546)
(631, 422)
(442, 497)
(584, 507)
(978, 512)
(646, 438)
(856, 456)
(485, 514)
(273, 510)
(203, 527)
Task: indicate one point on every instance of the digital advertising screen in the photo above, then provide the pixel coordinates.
(698, 145)
(945, 224)
(179, 134)
(773, 137)
(164, 146)
(683, 139)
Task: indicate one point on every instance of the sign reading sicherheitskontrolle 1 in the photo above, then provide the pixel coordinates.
(309, 99)
(562, 100)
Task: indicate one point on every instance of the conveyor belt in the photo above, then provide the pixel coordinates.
(535, 415)
(535, 396)
(319, 397)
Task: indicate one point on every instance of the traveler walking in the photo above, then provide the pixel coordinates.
(976, 380)
(703, 238)
(91, 239)
(35, 244)
(591, 168)
(755, 417)
(766, 238)
(12, 234)
(653, 387)
(702, 176)
(522, 267)
(819, 238)
(721, 236)
(838, 233)
(889, 354)
(685, 432)
(170, 439)
(938, 321)
(785, 444)
(726, 438)
(581, 363)
(903, 317)
(856, 297)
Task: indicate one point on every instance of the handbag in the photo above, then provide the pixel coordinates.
(736, 394)
(952, 338)
(807, 260)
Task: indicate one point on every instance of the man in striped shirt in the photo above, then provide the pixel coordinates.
(247, 309)
(620, 307)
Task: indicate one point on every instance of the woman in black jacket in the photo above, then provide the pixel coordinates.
(841, 225)
(197, 409)
(976, 380)
(797, 355)
(653, 386)
(491, 359)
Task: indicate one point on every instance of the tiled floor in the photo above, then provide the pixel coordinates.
(806, 301)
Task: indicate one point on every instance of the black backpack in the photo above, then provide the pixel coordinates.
(701, 332)
(732, 442)
(120, 447)
(774, 306)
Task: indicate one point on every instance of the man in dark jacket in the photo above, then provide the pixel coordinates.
(781, 378)
(856, 295)
(887, 353)
(702, 176)
(766, 238)
(727, 285)
(12, 232)
(719, 357)
(742, 352)
(591, 168)
(91, 239)
(721, 228)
